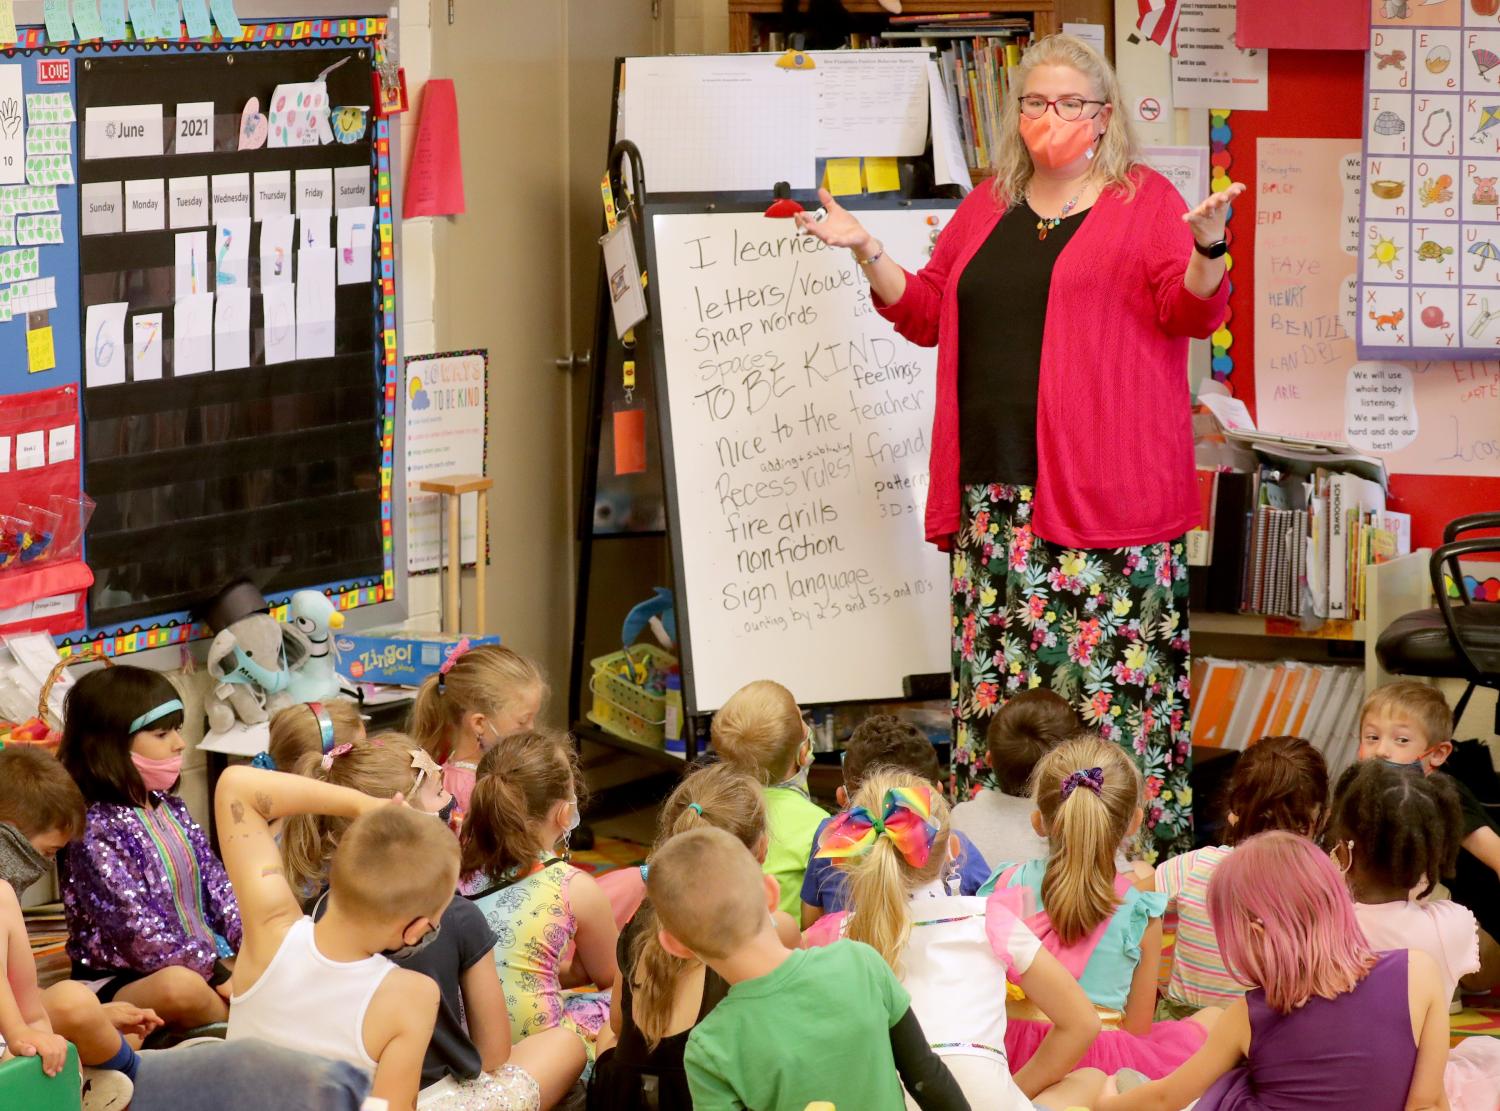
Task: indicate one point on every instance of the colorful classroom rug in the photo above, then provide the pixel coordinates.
(610, 853)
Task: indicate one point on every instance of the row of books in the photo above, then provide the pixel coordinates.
(1236, 702)
(47, 931)
(1292, 545)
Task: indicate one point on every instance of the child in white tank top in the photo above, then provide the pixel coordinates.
(329, 987)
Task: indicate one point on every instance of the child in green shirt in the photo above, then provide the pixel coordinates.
(760, 730)
(796, 1027)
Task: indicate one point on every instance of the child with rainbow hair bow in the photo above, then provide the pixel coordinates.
(954, 953)
(1090, 916)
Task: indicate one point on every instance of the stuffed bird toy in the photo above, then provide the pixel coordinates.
(312, 615)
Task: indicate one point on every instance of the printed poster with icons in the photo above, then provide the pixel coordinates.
(1429, 267)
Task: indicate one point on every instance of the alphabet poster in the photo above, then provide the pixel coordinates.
(1429, 266)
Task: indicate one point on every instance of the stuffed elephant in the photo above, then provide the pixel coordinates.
(252, 661)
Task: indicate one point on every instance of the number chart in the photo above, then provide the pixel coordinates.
(1429, 257)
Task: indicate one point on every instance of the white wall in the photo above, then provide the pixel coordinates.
(417, 262)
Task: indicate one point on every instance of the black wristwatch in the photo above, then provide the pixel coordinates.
(1213, 250)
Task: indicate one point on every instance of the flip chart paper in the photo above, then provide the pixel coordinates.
(276, 233)
(146, 340)
(104, 344)
(315, 303)
(279, 305)
(193, 335)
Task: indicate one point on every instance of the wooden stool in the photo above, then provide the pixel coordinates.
(453, 487)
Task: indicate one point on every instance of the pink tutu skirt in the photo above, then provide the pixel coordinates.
(1167, 1046)
(1472, 1078)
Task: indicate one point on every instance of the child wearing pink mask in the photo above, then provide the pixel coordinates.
(151, 915)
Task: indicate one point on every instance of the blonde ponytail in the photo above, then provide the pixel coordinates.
(881, 879)
(721, 796)
(483, 680)
(379, 766)
(1087, 816)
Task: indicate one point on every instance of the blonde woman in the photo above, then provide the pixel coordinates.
(1061, 296)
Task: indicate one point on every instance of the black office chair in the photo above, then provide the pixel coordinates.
(1459, 638)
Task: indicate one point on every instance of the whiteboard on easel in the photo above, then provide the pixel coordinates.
(796, 458)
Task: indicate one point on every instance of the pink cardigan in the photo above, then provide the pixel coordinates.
(1114, 421)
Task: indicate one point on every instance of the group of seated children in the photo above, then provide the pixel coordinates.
(1002, 953)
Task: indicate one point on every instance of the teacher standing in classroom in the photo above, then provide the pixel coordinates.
(1061, 296)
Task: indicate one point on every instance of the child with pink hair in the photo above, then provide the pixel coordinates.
(1327, 1023)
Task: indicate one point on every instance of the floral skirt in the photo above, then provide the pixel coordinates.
(1106, 629)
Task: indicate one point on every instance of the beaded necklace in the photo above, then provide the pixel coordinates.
(1044, 224)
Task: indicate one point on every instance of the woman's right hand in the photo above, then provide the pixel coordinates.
(838, 228)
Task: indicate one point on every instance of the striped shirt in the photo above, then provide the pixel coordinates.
(1198, 978)
(179, 862)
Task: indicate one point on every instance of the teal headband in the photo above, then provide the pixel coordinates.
(172, 707)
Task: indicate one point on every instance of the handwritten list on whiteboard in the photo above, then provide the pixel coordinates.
(1436, 417)
(800, 426)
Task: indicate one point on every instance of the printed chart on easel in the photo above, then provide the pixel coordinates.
(1430, 229)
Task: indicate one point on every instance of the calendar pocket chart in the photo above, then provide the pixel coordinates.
(1429, 259)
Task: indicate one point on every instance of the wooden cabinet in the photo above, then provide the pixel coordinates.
(1047, 15)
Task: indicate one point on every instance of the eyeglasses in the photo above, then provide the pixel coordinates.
(1069, 108)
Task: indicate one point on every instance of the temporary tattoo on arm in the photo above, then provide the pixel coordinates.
(268, 871)
(263, 805)
(237, 812)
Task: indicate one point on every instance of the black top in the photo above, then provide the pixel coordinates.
(1002, 309)
(464, 939)
(1474, 883)
(632, 1077)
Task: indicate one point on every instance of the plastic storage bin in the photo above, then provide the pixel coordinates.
(624, 708)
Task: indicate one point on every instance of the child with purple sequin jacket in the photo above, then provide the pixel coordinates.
(142, 888)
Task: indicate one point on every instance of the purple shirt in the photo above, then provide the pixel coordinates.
(143, 891)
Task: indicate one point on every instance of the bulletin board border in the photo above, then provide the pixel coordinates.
(180, 627)
(1220, 160)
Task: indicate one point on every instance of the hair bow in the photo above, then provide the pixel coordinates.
(334, 753)
(906, 819)
(455, 654)
(1092, 778)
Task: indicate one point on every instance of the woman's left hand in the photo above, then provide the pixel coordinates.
(1207, 220)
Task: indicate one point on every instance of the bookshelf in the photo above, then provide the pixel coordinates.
(747, 17)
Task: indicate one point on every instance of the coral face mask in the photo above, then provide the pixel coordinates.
(1054, 142)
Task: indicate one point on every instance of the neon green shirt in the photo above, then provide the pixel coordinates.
(792, 821)
(816, 1028)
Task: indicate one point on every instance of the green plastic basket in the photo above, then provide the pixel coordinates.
(623, 708)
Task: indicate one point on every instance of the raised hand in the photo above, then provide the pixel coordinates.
(1207, 220)
(838, 228)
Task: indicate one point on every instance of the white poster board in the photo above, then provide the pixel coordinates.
(796, 460)
(445, 404)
